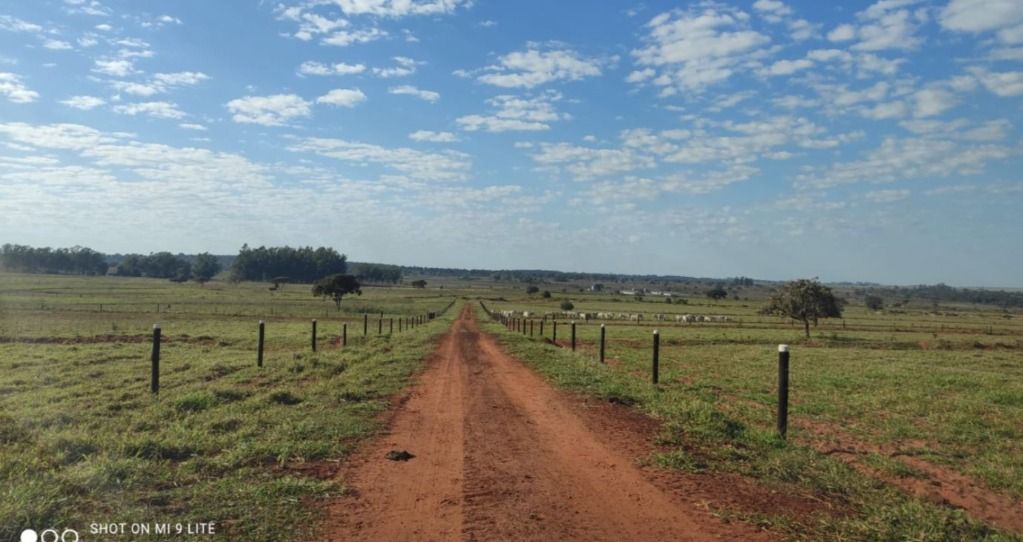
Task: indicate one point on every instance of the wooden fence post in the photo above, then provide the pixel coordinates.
(314, 335)
(783, 389)
(259, 355)
(602, 330)
(154, 358)
(657, 354)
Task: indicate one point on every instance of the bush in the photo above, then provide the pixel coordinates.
(567, 305)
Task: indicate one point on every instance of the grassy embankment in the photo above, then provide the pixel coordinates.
(82, 440)
(945, 387)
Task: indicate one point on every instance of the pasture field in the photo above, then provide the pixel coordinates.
(82, 439)
(891, 413)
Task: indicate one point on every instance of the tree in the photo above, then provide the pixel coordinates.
(717, 293)
(419, 283)
(567, 305)
(546, 294)
(336, 287)
(874, 302)
(205, 267)
(532, 290)
(804, 300)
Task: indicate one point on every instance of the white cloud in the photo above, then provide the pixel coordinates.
(16, 91)
(342, 97)
(933, 101)
(405, 67)
(274, 110)
(536, 66)
(698, 48)
(889, 24)
(907, 158)
(400, 8)
(116, 68)
(428, 95)
(84, 102)
(192, 126)
(345, 38)
(433, 137)
(1005, 16)
(340, 68)
(14, 24)
(514, 113)
(87, 7)
(162, 110)
(180, 78)
(56, 136)
(57, 45)
(138, 89)
(842, 32)
(772, 10)
(788, 67)
(886, 196)
(1001, 83)
(585, 163)
(161, 82)
(417, 165)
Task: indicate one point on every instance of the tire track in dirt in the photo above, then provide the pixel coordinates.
(501, 455)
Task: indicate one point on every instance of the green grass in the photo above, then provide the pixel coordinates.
(83, 440)
(716, 399)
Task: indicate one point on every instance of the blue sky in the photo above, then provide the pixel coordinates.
(862, 141)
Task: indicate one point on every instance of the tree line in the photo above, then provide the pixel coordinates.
(942, 293)
(303, 264)
(61, 261)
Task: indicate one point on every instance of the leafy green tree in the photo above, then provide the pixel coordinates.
(336, 287)
(546, 294)
(206, 266)
(418, 283)
(874, 302)
(806, 301)
(532, 290)
(717, 293)
(567, 305)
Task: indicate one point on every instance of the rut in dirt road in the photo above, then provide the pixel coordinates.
(501, 455)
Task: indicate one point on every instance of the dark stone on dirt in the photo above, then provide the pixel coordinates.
(395, 455)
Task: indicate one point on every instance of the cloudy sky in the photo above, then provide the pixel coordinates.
(845, 140)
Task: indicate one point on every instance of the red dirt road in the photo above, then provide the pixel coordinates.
(501, 455)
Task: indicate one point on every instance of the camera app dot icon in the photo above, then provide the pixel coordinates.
(28, 535)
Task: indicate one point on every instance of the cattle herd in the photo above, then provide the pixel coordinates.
(617, 316)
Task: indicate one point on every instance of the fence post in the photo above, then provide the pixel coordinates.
(541, 325)
(390, 326)
(154, 379)
(259, 356)
(554, 334)
(344, 334)
(530, 328)
(573, 335)
(314, 335)
(602, 330)
(365, 324)
(783, 389)
(380, 326)
(399, 324)
(657, 354)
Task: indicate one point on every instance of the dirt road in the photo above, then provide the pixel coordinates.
(501, 455)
